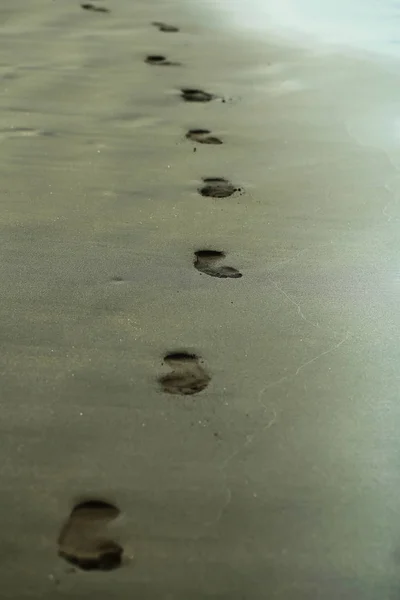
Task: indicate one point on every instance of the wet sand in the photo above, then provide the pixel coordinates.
(280, 478)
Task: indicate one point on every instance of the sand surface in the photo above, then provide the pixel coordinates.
(281, 478)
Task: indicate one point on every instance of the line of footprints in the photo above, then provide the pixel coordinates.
(83, 541)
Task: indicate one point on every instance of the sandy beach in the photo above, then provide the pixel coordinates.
(278, 478)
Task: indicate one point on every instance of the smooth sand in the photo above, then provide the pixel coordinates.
(281, 479)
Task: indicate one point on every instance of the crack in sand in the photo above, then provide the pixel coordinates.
(249, 438)
(301, 367)
(299, 310)
(256, 433)
(288, 260)
(223, 508)
(328, 351)
(228, 492)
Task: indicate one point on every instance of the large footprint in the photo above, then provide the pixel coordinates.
(94, 8)
(188, 375)
(165, 27)
(82, 541)
(206, 262)
(202, 136)
(195, 95)
(160, 60)
(218, 187)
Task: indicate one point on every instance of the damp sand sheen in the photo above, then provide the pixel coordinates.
(199, 316)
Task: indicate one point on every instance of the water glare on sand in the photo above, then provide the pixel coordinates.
(372, 25)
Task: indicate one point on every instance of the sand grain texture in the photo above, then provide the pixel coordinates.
(280, 479)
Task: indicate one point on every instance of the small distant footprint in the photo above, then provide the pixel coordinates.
(159, 59)
(82, 540)
(94, 8)
(217, 187)
(194, 95)
(188, 375)
(164, 27)
(206, 260)
(203, 136)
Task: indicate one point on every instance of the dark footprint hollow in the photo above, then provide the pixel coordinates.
(165, 27)
(94, 8)
(202, 136)
(159, 59)
(83, 541)
(188, 376)
(217, 187)
(194, 95)
(206, 261)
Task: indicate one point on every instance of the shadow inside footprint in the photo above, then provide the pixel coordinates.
(82, 542)
(93, 8)
(158, 59)
(202, 136)
(194, 95)
(217, 187)
(164, 27)
(188, 377)
(206, 260)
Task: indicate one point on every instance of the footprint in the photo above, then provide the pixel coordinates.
(164, 27)
(158, 59)
(93, 8)
(217, 187)
(188, 376)
(82, 542)
(193, 95)
(202, 136)
(206, 260)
